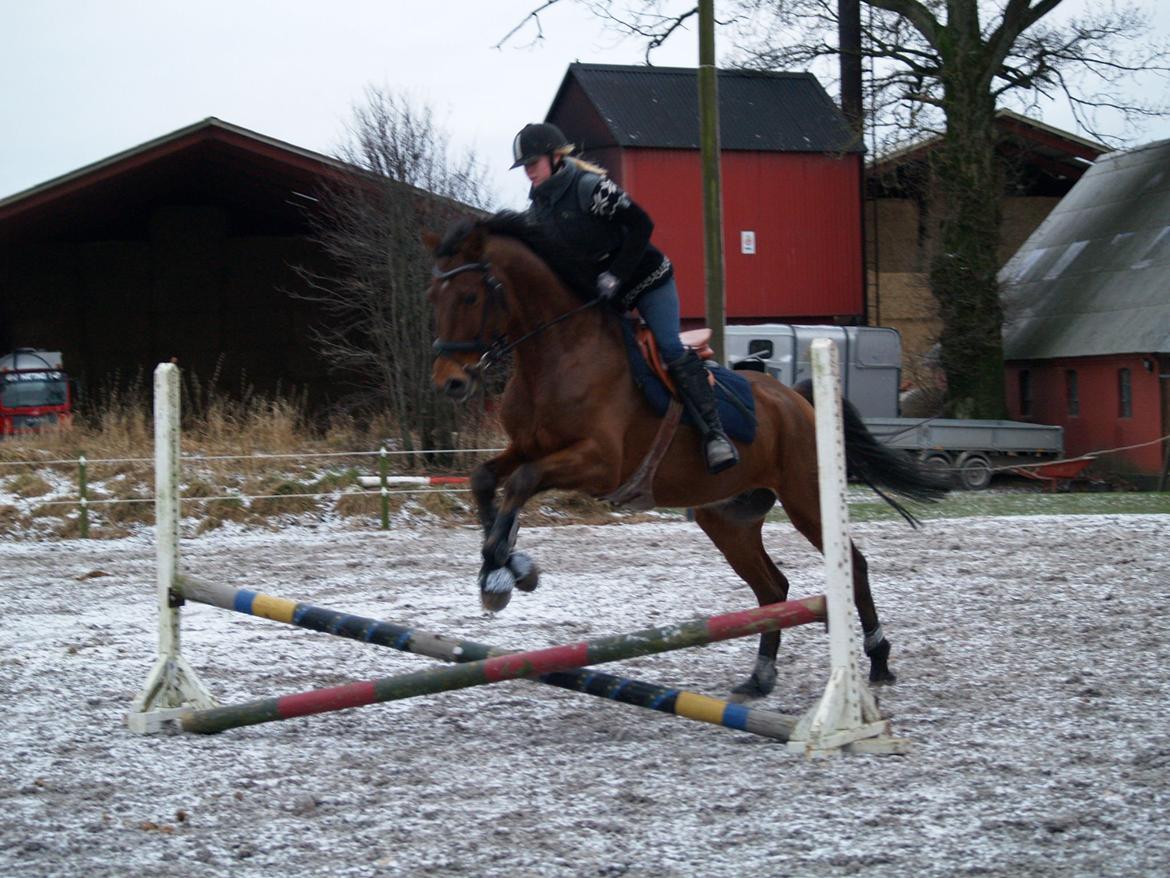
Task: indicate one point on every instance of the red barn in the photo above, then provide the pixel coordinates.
(791, 174)
(1087, 314)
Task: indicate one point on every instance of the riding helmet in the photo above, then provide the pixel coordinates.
(535, 140)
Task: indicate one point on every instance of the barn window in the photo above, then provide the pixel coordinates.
(1025, 379)
(1072, 392)
(1124, 394)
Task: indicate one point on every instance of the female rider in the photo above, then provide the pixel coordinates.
(580, 205)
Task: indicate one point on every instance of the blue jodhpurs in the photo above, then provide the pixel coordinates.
(660, 310)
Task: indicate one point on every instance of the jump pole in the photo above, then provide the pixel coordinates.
(412, 481)
(679, 702)
(513, 666)
(847, 716)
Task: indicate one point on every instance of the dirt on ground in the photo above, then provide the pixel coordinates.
(1032, 655)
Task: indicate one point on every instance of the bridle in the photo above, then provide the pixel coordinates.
(495, 295)
(499, 346)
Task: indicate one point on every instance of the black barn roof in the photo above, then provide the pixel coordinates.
(658, 107)
(211, 160)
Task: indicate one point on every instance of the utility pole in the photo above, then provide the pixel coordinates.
(712, 187)
(849, 43)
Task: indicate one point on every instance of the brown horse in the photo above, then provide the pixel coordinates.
(576, 421)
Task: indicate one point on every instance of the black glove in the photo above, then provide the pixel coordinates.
(607, 286)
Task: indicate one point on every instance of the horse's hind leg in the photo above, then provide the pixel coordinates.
(877, 648)
(736, 528)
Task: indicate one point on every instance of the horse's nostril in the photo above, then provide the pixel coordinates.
(454, 386)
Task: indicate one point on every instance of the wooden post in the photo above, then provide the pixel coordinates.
(712, 182)
(383, 469)
(83, 498)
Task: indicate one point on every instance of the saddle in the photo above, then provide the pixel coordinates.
(698, 340)
(649, 370)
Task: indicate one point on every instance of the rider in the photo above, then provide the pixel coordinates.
(582, 206)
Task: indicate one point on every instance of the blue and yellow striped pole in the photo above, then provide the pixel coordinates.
(689, 705)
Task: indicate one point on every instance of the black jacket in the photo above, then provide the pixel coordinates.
(591, 215)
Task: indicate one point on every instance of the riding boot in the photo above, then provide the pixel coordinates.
(690, 376)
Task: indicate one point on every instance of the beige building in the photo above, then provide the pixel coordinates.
(1042, 164)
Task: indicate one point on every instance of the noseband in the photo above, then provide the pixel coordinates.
(494, 350)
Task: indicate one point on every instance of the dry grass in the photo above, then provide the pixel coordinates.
(271, 441)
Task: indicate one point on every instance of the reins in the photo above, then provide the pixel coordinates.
(499, 346)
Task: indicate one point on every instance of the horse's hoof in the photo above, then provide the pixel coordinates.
(749, 690)
(525, 570)
(760, 683)
(882, 676)
(745, 691)
(495, 589)
(494, 601)
(879, 667)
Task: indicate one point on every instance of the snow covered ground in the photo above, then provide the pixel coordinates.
(1033, 655)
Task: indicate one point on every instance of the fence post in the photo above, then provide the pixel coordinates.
(383, 472)
(83, 494)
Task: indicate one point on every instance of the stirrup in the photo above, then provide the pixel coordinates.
(719, 453)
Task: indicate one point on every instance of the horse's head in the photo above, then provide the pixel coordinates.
(469, 308)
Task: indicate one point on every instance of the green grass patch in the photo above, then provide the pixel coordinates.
(992, 504)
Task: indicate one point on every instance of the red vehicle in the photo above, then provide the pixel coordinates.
(35, 393)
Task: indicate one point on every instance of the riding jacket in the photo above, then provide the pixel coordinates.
(592, 215)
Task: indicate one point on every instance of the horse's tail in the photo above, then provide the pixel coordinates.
(881, 467)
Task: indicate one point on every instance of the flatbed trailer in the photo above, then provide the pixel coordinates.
(972, 450)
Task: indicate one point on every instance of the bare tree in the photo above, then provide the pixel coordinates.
(944, 67)
(375, 328)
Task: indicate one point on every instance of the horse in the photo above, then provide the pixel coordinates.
(576, 421)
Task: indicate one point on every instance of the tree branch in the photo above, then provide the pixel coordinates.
(534, 17)
(917, 14)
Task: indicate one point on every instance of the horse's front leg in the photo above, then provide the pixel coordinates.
(504, 568)
(484, 481)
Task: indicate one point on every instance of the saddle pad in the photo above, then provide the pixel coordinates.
(739, 424)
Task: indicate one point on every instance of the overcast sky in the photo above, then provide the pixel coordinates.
(83, 79)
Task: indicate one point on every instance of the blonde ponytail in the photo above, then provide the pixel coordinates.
(565, 153)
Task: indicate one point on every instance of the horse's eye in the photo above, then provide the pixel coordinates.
(470, 298)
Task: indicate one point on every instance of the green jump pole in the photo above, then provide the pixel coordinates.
(689, 705)
(521, 665)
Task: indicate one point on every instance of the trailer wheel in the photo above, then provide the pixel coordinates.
(940, 462)
(974, 471)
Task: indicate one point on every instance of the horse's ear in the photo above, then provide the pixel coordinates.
(473, 244)
(430, 240)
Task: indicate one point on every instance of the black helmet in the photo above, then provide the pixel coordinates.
(535, 140)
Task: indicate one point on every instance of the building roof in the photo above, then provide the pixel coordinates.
(1043, 159)
(1094, 278)
(658, 107)
(209, 159)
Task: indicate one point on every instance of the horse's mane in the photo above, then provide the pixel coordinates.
(573, 269)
